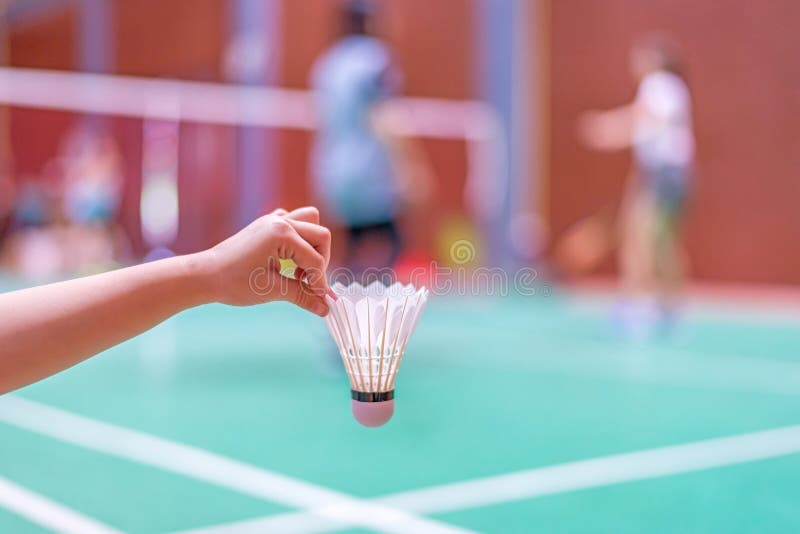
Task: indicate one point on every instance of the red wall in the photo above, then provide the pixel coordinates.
(744, 75)
(47, 44)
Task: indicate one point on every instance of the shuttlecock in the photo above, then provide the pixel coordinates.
(371, 326)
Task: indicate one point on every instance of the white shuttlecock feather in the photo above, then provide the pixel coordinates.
(371, 326)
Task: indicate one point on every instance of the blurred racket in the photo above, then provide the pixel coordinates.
(586, 244)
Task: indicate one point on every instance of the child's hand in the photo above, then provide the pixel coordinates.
(245, 268)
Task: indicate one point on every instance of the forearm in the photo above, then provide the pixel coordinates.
(49, 328)
(612, 129)
(46, 329)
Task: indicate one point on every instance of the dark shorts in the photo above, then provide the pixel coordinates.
(669, 186)
(385, 232)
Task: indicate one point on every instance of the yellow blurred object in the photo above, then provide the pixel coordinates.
(458, 243)
(288, 268)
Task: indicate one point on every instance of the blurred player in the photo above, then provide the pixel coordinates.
(361, 173)
(657, 125)
(35, 243)
(92, 194)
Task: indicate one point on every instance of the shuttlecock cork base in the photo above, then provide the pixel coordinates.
(371, 327)
(372, 409)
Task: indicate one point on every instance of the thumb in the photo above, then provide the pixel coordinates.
(304, 297)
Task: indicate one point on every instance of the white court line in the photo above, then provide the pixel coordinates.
(686, 367)
(47, 513)
(681, 367)
(673, 367)
(561, 478)
(209, 467)
(603, 471)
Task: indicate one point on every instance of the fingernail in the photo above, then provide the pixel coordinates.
(319, 308)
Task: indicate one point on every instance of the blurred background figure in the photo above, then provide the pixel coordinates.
(657, 125)
(34, 248)
(63, 221)
(92, 185)
(362, 172)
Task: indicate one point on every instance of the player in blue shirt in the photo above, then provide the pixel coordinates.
(355, 176)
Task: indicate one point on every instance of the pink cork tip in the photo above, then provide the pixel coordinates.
(372, 414)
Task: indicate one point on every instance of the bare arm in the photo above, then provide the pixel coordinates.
(49, 328)
(608, 130)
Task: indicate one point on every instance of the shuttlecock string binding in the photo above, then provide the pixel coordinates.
(371, 326)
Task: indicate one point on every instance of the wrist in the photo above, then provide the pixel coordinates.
(198, 269)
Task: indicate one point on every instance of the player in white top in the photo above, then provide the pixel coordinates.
(657, 126)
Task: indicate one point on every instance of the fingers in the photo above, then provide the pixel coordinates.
(303, 240)
(290, 245)
(302, 296)
(307, 214)
(317, 236)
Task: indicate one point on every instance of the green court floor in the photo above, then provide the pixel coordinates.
(240, 418)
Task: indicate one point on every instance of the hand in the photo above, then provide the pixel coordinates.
(245, 268)
(590, 129)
